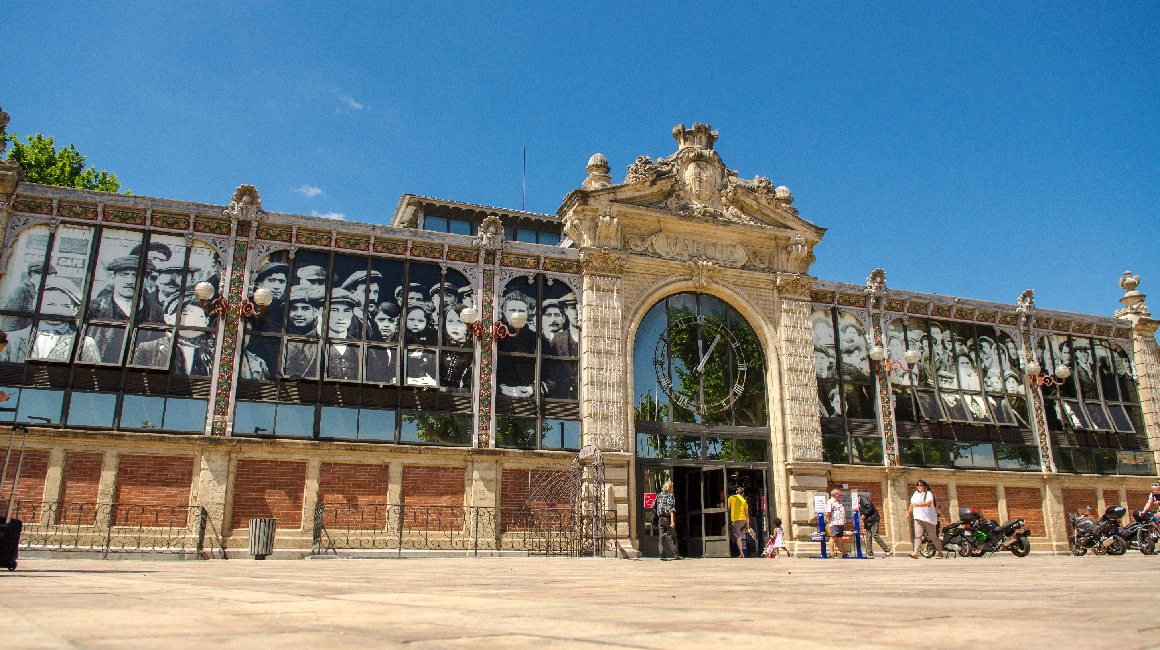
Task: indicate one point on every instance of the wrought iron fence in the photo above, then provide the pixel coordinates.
(391, 527)
(109, 528)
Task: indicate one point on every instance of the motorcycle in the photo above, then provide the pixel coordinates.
(956, 538)
(1100, 536)
(1143, 533)
(990, 537)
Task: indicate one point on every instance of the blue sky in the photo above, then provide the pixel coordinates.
(973, 149)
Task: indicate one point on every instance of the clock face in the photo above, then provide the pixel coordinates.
(707, 362)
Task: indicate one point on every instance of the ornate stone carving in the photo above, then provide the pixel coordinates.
(4, 119)
(605, 422)
(702, 271)
(245, 205)
(600, 231)
(800, 256)
(1133, 300)
(490, 235)
(675, 247)
(644, 170)
(876, 284)
(799, 381)
(795, 285)
(603, 261)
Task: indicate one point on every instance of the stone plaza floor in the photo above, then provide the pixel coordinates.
(1000, 601)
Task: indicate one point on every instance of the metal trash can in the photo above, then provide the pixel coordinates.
(262, 537)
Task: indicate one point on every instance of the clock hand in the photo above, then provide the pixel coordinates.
(705, 359)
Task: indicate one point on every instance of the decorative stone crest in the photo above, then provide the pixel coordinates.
(795, 285)
(702, 271)
(600, 231)
(603, 261)
(246, 205)
(800, 256)
(1026, 305)
(490, 235)
(876, 284)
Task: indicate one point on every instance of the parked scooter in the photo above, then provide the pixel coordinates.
(1100, 536)
(990, 537)
(956, 538)
(1142, 534)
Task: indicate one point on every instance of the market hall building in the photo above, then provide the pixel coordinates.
(459, 359)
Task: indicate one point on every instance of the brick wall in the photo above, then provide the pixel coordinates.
(29, 491)
(1026, 504)
(433, 486)
(874, 488)
(82, 479)
(153, 490)
(355, 495)
(441, 490)
(269, 488)
(1074, 500)
(983, 498)
(942, 500)
(540, 493)
(1136, 499)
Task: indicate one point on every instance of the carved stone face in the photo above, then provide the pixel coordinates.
(702, 181)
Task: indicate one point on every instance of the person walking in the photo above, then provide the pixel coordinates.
(922, 509)
(870, 522)
(739, 518)
(837, 514)
(665, 510)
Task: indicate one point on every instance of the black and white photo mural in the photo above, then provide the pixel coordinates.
(355, 347)
(119, 305)
(845, 390)
(537, 367)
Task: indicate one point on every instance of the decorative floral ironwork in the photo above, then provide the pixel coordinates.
(352, 243)
(390, 247)
(520, 262)
(313, 238)
(172, 221)
(427, 251)
(274, 234)
(221, 407)
(942, 311)
(33, 207)
(127, 217)
(562, 266)
(486, 307)
(851, 301)
(212, 226)
(1007, 318)
(822, 296)
(460, 255)
(87, 212)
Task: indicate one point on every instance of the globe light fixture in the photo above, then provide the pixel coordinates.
(911, 357)
(877, 353)
(203, 290)
(263, 297)
(469, 315)
(518, 320)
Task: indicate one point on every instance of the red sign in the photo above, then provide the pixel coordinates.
(649, 499)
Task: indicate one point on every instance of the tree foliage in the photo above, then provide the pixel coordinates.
(43, 163)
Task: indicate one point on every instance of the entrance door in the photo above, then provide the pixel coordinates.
(702, 531)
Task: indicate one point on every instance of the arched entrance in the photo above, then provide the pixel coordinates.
(701, 420)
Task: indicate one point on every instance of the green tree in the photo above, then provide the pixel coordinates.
(43, 163)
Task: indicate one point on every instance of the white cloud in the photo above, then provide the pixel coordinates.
(351, 103)
(309, 191)
(337, 216)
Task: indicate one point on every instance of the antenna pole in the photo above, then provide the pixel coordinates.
(524, 189)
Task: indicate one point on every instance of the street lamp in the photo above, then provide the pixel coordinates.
(221, 305)
(470, 317)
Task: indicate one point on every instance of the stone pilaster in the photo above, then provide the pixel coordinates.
(800, 384)
(1146, 355)
(310, 493)
(211, 490)
(604, 410)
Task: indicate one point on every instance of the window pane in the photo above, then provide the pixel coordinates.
(549, 238)
(338, 422)
(382, 365)
(455, 367)
(141, 412)
(109, 341)
(70, 262)
(92, 410)
(943, 350)
(20, 288)
(185, 414)
(559, 379)
(867, 451)
(1120, 418)
(193, 354)
(54, 341)
(752, 451)
(294, 420)
(956, 410)
(40, 406)
(1098, 418)
(1085, 372)
(526, 235)
(259, 356)
(374, 424)
(515, 432)
(344, 361)
(459, 227)
(928, 404)
(441, 428)
(687, 447)
(516, 376)
(855, 364)
(8, 407)
(421, 369)
(433, 223)
(835, 449)
(651, 445)
(301, 360)
(161, 296)
(254, 418)
(152, 348)
(560, 434)
(910, 452)
(976, 408)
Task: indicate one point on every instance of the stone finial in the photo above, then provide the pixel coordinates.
(1133, 300)
(1026, 303)
(490, 233)
(4, 118)
(782, 194)
(701, 136)
(597, 172)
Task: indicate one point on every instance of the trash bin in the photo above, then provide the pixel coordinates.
(262, 537)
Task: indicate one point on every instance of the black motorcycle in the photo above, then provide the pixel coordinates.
(1100, 536)
(956, 538)
(1142, 534)
(989, 537)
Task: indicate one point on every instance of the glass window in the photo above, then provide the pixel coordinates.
(560, 434)
(92, 409)
(376, 424)
(8, 407)
(438, 428)
(142, 412)
(437, 224)
(294, 420)
(458, 227)
(40, 406)
(339, 422)
(515, 432)
(185, 415)
(254, 418)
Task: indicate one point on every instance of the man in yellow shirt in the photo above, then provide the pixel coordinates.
(739, 518)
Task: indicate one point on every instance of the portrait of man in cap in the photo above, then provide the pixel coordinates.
(163, 306)
(343, 359)
(193, 351)
(158, 254)
(568, 302)
(53, 340)
(312, 275)
(366, 293)
(23, 299)
(305, 301)
(273, 277)
(524, 341)
(117, 302)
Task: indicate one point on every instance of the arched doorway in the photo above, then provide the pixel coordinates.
(701, 420)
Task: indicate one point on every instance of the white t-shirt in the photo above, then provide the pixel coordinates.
(837, 512)
(924, 513)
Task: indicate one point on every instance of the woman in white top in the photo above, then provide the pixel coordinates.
(922, 508)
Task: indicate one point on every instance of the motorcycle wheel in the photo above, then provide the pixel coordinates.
(1118, 546)
(977, 550)
(965, 548)
(1145, 542)
(1075, 548)
(926, 549)
(1021, 547)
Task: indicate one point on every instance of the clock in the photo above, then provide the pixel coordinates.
(707, 361)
